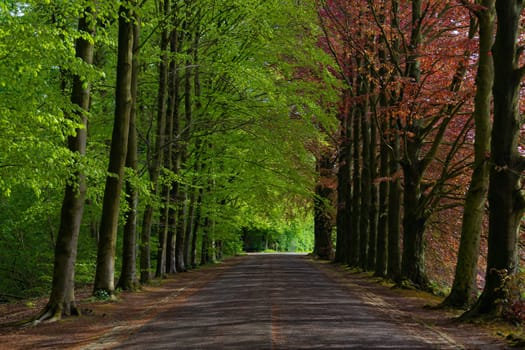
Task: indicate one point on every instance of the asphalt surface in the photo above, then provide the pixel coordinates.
(281, 302)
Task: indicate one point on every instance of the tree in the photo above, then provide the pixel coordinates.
(155, 156)
(128, 276)
(62, 298)
(506, 198)
(323, 203)
(105, 270)
(464, 288)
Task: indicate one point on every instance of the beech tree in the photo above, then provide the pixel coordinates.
(62, 298)
(393, 77)
(506, 198)
(105, 270)
(128, 276)
(464, 288)
(253, 111)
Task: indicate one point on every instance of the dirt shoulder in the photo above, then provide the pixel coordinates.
(413, 306)
(101, 321)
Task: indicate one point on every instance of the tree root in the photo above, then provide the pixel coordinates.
(54, 313)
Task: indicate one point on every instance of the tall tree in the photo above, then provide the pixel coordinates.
(424, 133)
(395, 191)
(323, 202)
(128, 276)
(464, 288)
(105, 269)
(506, 198)
(344, 188)
(62, 298)
(155, 157)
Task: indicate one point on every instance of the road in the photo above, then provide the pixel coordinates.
(282, 302)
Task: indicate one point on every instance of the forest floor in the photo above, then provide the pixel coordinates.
(106, 325)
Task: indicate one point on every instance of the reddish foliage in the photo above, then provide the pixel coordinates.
(371, 40)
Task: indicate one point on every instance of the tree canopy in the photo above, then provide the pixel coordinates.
(142, 138)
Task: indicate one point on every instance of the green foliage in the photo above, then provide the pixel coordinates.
(26, 242)
(264, 102)
(295, 237)
(27, 234)
(102, 295)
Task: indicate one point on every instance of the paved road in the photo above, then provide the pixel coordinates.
(280, 302)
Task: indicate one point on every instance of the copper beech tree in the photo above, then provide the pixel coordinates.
(402, 82)
(505, 195)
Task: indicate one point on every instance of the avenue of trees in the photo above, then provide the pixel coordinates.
(429, 122)
(143, 138)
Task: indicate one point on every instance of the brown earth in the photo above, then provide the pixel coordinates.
(106, 324)
(101, 319)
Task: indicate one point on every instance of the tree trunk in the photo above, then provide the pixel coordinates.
(395, 193)
(366, 183)
(188, 128)
(160, 270)
(394, 212)
(344, 191)
(414, 219)
(180, 233)
(206, 242)
(373, 209)
(157, 158)
(196, 227)
(464, 288)
(62, 298)
(171, 252)
(197, 193)
(506, 198)
(382, 227)
(414, 224)
(356, 193)
(105, 270)
(381, 264)
(170, 138)
(323, 221)
(128, 276)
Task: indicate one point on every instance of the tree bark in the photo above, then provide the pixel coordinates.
(356, 193)
(394, 212)
(395, 192)
(323, 221)
(366, 183)
(62, 298)
(382, 227)
(105, 270)
(128, 276)
(156, 159)
(506, 198)
(344, 189)
(464, 288)
(374, 199)
(175, 166)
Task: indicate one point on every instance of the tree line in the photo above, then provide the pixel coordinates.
(429, 119)
(143, 138)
